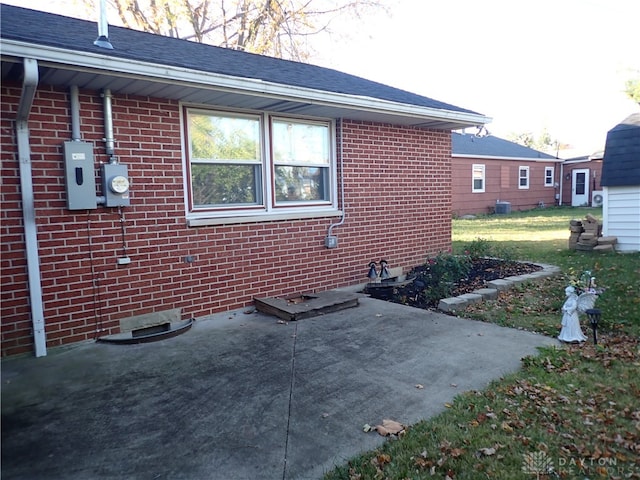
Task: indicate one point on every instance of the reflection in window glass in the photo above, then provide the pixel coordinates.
(301, 161)
(224, 184)
(296, 143)
(250, 163)
(226, 164)
(216, 137)
(296, 184)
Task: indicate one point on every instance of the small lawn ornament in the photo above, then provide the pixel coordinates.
(573, 306)
(384, 270)
(373, 273)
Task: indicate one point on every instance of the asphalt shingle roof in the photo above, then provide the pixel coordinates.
(621, 162)
(490, 146)
(40, 28)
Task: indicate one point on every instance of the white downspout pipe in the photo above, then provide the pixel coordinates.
(344, 209)
(561, 183)
(29, 85)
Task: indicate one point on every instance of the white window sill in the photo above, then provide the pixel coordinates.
(264, 217)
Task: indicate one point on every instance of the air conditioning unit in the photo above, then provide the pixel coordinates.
(597, 197)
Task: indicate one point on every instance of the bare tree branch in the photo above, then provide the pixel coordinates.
(268, 27)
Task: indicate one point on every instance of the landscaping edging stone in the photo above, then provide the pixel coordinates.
(453, 304)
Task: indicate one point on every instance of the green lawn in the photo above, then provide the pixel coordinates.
(575, 409)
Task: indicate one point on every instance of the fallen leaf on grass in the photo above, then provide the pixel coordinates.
(487, 451)
(389, 427)
(506, 427)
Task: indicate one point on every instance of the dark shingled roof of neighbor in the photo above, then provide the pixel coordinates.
(470, 145)
(621, 162)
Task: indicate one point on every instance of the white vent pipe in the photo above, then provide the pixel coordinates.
(103, 27)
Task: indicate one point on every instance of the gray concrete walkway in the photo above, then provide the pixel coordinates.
(243, 397)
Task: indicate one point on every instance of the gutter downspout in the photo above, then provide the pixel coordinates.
(344, 210)
(29, 85)
(561, 183)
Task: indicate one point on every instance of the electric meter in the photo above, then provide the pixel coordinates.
(115, 185)
(119, 184)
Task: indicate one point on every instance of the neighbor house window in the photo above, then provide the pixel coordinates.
(523, 177)
(477, 178)
(548, 177)
(243, 164)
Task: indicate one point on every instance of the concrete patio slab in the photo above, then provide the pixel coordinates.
(244, 396)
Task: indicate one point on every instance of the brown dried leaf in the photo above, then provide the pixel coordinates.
(389, 427)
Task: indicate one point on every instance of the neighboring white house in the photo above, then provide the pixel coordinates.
(621, 184)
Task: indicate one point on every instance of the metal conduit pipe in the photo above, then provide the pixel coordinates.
(29, 85)
(108, 125)
(75, 114)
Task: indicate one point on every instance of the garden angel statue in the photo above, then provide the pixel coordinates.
(573, 306)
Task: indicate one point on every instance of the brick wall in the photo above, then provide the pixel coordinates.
(397, 199)
(501, 183)
(594, 168)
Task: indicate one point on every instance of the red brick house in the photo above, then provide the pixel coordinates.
(492, 174)
(580, 181)
(163, 175)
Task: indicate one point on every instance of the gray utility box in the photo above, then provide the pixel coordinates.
(115, 185)
(80, 177)
(503, 207)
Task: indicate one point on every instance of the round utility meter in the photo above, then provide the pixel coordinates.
(119, 184)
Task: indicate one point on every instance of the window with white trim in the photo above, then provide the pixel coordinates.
(245, 164)
(523, 177)
(548, 176)
(477, 178)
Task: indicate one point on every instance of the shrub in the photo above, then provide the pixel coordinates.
(437, 278)
(483, 248)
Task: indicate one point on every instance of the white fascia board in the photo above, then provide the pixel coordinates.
(582, 160)
(177, 75)
(519, 159)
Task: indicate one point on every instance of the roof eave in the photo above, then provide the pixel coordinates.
(121, 67)
(496, 157)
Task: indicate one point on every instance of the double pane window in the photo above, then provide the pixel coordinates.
(255, 163)
(548, 177)
(226, 160)
(523, 177)
(301, 161)
(477, 178)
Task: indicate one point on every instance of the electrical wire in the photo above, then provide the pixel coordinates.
(124, 241)
(97, 299)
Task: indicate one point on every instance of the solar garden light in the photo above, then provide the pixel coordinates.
(594, 317)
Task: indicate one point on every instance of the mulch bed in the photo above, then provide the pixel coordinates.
(483, 270)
